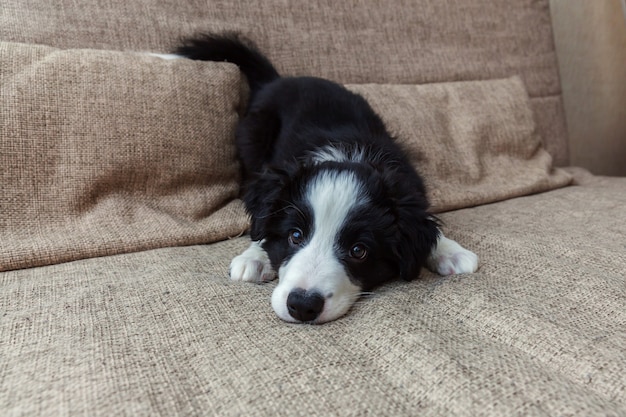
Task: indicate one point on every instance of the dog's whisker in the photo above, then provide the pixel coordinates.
(272, 213)
(366, 294)
(296, 208)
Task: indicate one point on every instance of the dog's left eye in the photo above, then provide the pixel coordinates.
(358, 252)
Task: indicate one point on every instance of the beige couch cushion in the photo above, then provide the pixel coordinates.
(539, 330)
(409, 42)
(110, 152)
(474, 142)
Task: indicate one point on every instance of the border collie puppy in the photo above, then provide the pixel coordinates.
(336, 207)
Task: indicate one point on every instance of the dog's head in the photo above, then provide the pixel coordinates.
(333, 230)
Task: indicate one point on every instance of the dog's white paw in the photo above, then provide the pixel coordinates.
(253, 265)
(450, 258)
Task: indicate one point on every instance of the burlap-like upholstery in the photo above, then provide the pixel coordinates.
(474, 142)
(397, 42)
(109, 152)
(539, 330)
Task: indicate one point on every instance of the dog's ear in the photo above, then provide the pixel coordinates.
(417, 230)
(418, 237)
(261, 196)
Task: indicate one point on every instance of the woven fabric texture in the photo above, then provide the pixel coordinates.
(397, 42)
(538, 330)
(109, 152)
(474, 142)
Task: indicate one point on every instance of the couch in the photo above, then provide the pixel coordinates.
(119, 216)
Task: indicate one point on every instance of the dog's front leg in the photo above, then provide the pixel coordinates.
(253, 265)
(449, 258)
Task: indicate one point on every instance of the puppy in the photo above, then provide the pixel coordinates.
(336, 207)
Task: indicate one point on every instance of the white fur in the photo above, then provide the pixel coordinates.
(333, 154)
(253, 265)
(449, 258)
(315, 267)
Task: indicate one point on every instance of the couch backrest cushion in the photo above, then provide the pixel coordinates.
(110, 152)
(474, 142)
(391, 42)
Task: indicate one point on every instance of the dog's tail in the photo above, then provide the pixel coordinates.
(231, 47)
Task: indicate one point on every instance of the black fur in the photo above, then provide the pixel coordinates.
(289, 118)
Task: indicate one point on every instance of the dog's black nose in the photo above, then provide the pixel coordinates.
(304, 305)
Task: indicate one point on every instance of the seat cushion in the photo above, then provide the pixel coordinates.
(538, 330)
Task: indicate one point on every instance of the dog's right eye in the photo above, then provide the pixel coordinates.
(296, 237)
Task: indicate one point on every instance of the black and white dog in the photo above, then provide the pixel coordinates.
(336, 207)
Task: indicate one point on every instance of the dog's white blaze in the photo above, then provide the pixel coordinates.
(332, 197)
